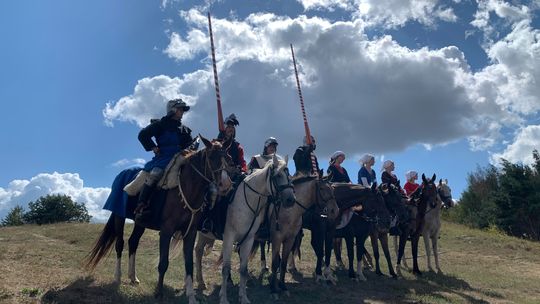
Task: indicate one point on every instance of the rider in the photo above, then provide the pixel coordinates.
(305, 160)
(213, 219)
(171, 137)
(366, 175)
(336, 172)
(388, 176)
(411, 185)
(258, 161)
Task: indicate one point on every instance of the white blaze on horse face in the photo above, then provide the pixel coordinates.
(224, 184)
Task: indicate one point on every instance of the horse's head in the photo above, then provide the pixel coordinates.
(326, 201)
(280, 181)
(220, 164)
(428, 194)
(445, 193)
(394, 201)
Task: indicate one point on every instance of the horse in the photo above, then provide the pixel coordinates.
(428, 198)
(432, 224)
(379, 232)
(366, 211)
(180, 215)
(243, 217)
(285, 225)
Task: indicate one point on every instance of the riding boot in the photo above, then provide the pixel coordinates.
(143, 212)
(207, 225)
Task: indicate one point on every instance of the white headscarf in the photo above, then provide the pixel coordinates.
(366, 158)
(387, 163)
(410, 174)
(336, 155)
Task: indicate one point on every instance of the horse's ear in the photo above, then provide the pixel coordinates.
(206, 142)
(287, 159)
(374, 186)
(434, 177)
(424, 180)
(440, 181)
(446, 181)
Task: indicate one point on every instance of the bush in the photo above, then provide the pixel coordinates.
(14, 217)
(56, 208)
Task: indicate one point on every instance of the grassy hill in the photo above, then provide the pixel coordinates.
(42, 264)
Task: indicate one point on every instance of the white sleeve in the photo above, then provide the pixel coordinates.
(365, 182)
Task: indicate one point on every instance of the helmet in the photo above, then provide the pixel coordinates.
(177, 103)
(231, 120)
(270, 141)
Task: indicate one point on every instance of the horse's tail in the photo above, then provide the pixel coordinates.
(102, 246)
(297, 244)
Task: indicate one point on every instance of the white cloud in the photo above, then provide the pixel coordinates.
(124, 163)
(526, 140)
(388, 13)
(21, 192)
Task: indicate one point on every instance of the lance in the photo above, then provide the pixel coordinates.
(306, 126)
(216, 82)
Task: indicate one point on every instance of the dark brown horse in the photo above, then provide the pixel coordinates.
(427, 196)
(180, 216)
(379, 232)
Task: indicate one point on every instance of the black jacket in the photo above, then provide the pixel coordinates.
(302, 160)
(158, 128)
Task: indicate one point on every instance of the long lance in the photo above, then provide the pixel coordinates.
(216, 82)
(306, 126)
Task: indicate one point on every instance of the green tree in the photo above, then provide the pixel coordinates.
(56, 208)
(14, 217)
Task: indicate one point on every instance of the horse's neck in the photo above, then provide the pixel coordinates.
(191, 179)
(258, 181)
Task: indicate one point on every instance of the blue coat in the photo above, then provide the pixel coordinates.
(171, 137)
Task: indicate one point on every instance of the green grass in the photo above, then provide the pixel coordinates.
(43, 264)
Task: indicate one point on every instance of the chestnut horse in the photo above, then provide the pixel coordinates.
(181, 214)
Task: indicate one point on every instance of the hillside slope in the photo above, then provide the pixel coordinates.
(42, 263)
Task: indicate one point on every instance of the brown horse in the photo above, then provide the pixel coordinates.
(180, 215)
(428, 196)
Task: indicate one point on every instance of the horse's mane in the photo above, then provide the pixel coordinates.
(302, 179)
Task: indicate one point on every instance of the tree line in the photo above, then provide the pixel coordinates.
(506, 198)
(48, 209)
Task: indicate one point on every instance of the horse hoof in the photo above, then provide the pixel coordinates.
(135, 281)
(417, 272)
(264, 270)
(292, 270)
(275, 296)
(223, 301)
(379, 273)
(201, 286)
(158, 295)
(287, 294)
(340, 265)
(192, 300)
(439, 271)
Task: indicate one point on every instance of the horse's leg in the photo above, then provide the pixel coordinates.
(276, 262)
(119, 246)
(414, 245)
(402, 244)
(349, 242)
(374, 237)
(317, 242)
(287, 247)
(164, 244)
(329, 232)
(337, 252)
(426, 238)
(367, 259)
(360, 251)
(401, 250)
(133, 243)
(189, 242)
(295, 249)
(396, 245)
(245, 249)
(202, 242)
(386, 250)
(263, 256)
(434, 243)
(226, 253)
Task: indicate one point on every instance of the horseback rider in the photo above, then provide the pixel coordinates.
(366, 175)
(231, 145)
(171, 137)
(258, 161)
(214, 218)
(336, 172)
(305, 160)
(411, 185)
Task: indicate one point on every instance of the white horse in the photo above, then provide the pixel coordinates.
(244, 217)
(432, 224)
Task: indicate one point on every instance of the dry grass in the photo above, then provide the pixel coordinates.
(42, 264)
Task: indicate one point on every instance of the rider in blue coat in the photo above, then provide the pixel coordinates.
(171, 137)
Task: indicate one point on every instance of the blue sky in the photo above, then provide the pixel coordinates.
(437, 86)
